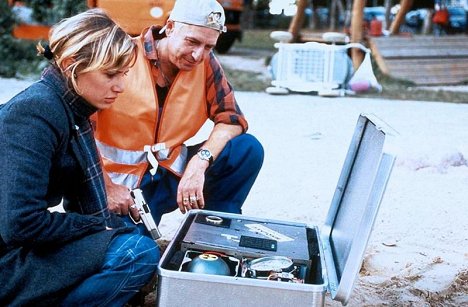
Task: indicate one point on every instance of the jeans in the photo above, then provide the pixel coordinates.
(227, 182)
(130, 263)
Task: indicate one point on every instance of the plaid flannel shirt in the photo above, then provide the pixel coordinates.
(92, 193)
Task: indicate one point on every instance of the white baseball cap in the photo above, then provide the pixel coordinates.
(203, 13)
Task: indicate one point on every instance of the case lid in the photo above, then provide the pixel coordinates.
(355, 203)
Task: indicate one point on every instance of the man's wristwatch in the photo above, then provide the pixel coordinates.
(206, 155)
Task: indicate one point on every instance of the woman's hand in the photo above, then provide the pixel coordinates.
(120, 201)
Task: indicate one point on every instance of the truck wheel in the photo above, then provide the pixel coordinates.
(225, 41)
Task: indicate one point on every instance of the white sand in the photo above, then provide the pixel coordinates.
(417, 254)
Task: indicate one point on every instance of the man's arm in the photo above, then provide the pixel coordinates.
(220, 136)
(191, 183)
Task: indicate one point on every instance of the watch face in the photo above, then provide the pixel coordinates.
(205, 154)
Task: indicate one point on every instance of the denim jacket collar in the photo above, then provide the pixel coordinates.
(80, 108)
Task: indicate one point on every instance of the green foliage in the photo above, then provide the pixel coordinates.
(247, 81)
(257, 39)
(18, 57)
(13, 53)
(6, 18)
(52, 11)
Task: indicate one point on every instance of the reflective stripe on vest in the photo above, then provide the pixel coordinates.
(118, 160)
(123, 131)
(121, 156)
(130, 181)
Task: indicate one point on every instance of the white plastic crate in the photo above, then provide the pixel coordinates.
(312, 67)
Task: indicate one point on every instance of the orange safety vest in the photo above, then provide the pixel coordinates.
(126, 133)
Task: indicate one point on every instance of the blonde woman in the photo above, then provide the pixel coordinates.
(86, 255)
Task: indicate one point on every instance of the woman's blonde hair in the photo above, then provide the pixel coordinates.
(93, 41)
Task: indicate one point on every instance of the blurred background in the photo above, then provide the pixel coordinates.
(249, 23)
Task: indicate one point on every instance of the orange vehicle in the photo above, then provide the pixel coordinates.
(27, 30)
(134, 16)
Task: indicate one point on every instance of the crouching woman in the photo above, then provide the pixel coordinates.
(86, 255)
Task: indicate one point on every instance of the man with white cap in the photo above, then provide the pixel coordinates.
(175, 85)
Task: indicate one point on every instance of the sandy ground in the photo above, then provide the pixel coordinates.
(418, 252)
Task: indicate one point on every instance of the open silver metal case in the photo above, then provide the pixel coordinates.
(221, 259)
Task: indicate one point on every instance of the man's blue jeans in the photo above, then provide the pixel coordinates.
(227, 183)
(130, 263)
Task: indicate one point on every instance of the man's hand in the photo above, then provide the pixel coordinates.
(190, 190)
(119, 199)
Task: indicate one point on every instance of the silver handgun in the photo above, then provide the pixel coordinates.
(145, 214)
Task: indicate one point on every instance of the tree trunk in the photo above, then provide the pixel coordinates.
(332, 15)
(388, 7)
(427, 24)
(347, 19)
(405, 5)
(340, 9)
(356, 31)
(247, 16)
(298, 20)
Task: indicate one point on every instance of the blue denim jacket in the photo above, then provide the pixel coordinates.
(44, 254)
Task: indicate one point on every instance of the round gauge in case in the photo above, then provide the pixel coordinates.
(208, 263)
